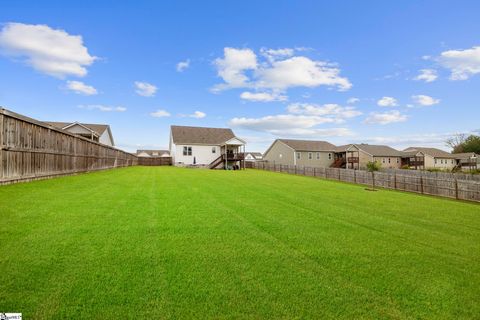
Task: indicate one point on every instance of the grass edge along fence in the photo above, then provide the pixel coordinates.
(32, 150)
(442, 186)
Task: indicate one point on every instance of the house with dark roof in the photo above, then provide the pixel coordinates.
(434, 158)
(468, 160)
(308, 153)
(153, 153)
(95, 132)
(358, 155)
(215, 148)
(253, 156)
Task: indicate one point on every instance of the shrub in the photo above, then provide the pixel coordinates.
(373, 166)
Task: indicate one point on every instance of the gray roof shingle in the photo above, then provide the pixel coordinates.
(97, 128)
(434, 152)
(309, 145)
(201, 135)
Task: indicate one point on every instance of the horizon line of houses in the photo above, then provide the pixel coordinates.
(218, 148)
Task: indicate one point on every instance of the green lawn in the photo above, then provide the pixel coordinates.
(169, 243)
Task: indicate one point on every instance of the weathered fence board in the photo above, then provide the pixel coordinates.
(449, 186)
(30, 150)
(154, 161)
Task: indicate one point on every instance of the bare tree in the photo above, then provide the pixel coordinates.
(456, 142)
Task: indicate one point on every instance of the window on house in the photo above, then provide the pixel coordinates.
(398, 160)
(318, 155)
(452, 161)
(310, 156)
(388, 160)
(383, 160)
(441, 161)
(298, 155)
(187, 151)
(435, 161)
(214, 149)
(280, 156)
(329, 156)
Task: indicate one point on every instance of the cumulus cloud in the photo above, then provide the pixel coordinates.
(103, 108)
(423, 100)
(385, 117)
(81, 88)
(183, 65)
(462, 63)
(333, 112)
(278, 71)
(387, 102)
(427, 75)
(301, 119)
(196, 115)
(231, 68)
(145, 89)
(262, 96)
(288, 124)
(50, 51)
(160, 113)
(274, 54)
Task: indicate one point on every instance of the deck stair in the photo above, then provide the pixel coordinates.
(339, 163)
(215, 163)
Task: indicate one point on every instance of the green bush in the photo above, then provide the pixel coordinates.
(373, 166)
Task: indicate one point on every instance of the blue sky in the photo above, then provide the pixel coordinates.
(392, 72)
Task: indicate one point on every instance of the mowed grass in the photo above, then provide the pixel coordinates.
(170, 243)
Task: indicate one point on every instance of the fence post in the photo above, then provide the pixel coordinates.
(395, 180)
(314, 171)
(1, 144)
(295, 166)
(456, 188)
(421, 183)
(338, 173)
(304, 171)
(354, 176)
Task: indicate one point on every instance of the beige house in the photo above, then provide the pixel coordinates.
(468, 160)
(434, 158)
(358, 155)
(95, 132)
(301, 153)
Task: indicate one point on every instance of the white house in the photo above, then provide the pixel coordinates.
(95, 132)
(206, 147)
(153, 153)
(253, 156)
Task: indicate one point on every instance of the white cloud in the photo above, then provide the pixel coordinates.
(334, 112)
(233, 66)
(423, 100)
(196, 115)
(387, 102)
(300, 72)
(103, 108)
(302, 119)
(50, 51)
(274, 54)
(462, 63)
(353, 100)
(160, 113)
(183, 65)
(385, 117)
(280, 71)
(427, 75)
(81, 88)
(145, 89)
(289, 124)
(262, 96)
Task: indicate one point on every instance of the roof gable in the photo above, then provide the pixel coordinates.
(433, 152)
(378, 150)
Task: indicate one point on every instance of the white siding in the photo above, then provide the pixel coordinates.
(202, 154)
(105, 139)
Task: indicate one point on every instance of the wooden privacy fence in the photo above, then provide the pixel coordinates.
(450, 187)
(154, 161)
(30, 149)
